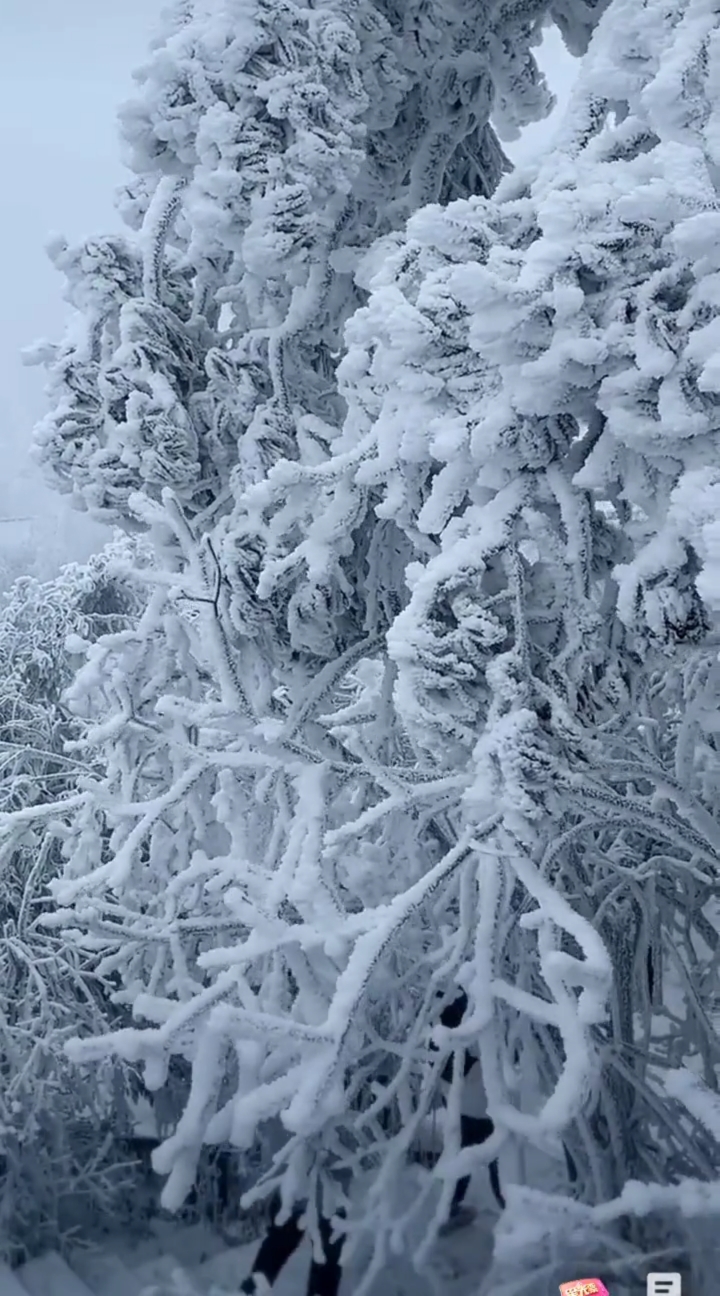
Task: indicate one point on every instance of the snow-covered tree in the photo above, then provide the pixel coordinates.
(531, 424)
(425, 694)
(271, 143)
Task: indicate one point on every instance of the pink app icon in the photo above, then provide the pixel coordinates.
(584, 1287)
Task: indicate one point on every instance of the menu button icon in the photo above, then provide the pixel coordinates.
(664, 1284)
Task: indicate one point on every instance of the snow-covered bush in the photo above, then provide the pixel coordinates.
(56, 1162)
(545, 1239)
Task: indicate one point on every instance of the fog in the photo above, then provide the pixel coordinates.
(66, 66)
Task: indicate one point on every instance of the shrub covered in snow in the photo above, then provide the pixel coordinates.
(57, 1163)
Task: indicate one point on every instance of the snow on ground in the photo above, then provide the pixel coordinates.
(175, 1258)
(172, 1252)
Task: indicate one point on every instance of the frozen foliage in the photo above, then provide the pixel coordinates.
(271, 143)
(559, 683)
(52, 1156)
(425, 691)
(549, 1237)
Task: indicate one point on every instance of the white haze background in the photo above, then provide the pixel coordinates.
(64, 69)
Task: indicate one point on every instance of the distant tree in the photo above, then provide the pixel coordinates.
(56, 1162)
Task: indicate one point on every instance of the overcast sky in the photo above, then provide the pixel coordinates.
(66, 66)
